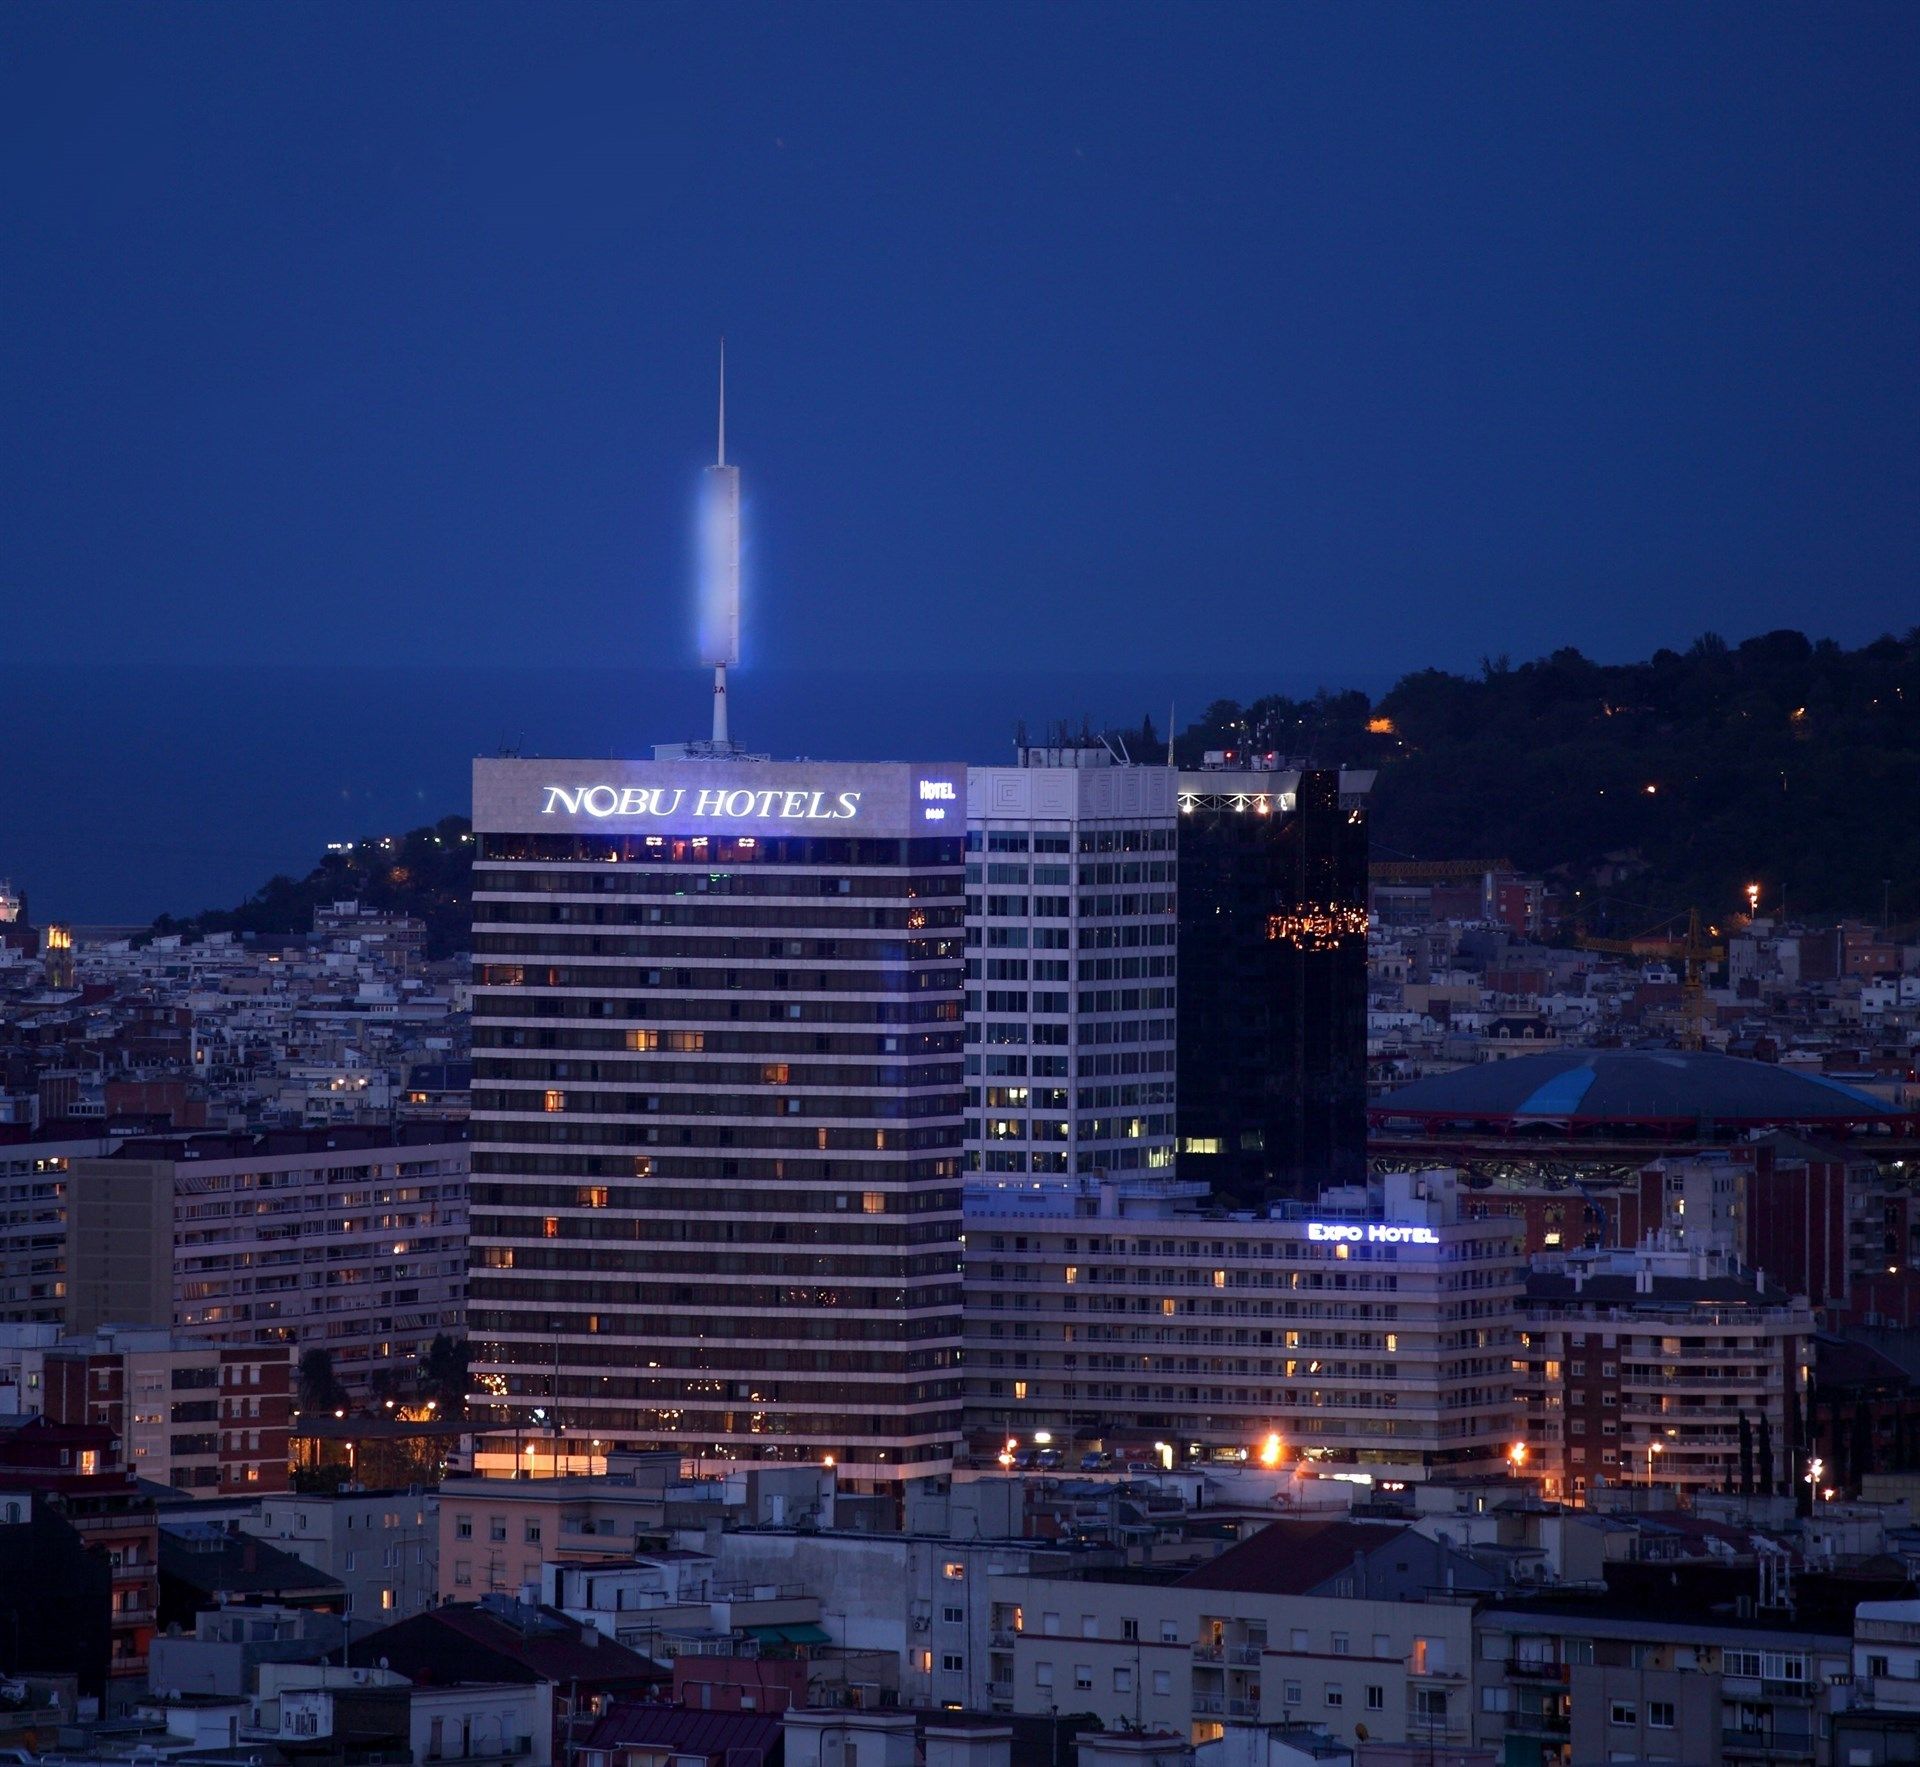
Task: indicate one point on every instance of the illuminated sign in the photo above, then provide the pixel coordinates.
(1374, 1233)
(935, 795)
(708, 804)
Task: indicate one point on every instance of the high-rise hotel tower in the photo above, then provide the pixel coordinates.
(717, 1108)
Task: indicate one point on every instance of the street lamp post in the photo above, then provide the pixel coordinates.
(1653, 1448)
(1816, 1471)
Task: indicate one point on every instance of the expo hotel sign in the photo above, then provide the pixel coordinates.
(1374, 1233)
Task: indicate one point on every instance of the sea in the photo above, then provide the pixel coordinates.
(128, 792)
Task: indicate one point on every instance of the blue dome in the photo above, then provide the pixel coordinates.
(1631, 1087)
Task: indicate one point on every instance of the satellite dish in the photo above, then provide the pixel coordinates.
(1360, 1733)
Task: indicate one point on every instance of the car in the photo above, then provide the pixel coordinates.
(1136, 1468)
(1095, 1462)
(1047, 1457)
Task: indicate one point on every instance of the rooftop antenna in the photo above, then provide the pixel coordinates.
(720, 570)
(1172, 707)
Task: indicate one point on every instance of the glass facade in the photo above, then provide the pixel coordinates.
(1273, 997)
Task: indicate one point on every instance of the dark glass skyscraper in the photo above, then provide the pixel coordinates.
(1272, 1077)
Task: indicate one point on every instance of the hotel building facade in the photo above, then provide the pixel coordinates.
(1071, 962)
(717, 1108)
(1375, 1334)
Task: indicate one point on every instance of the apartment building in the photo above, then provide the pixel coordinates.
(208, 1418)
(33, 1230)
(1374, 1334)
(350, 1240)
(382, 1546)
(1661, 1365)
(1335, 1623)
(1564, 1681)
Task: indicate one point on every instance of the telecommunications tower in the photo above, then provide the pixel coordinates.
(720, 570)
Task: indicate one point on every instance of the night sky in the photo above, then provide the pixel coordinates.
(1340, 338)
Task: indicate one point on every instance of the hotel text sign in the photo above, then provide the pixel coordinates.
(702, 804)
(1374, 1233)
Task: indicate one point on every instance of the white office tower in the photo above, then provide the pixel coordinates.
(1070, 970)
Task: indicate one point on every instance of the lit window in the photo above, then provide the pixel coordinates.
(556, 1101)
(1019, 1389)
(550, 1227)
(873, 1202)
(953, 1570)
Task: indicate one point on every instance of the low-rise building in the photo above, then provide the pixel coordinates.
(383, 1546)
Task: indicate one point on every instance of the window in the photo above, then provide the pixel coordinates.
(1659, 1714)
(1123, 1681)
(953, 1616)
(953, 1662)
(1130, 1630)
(1877, 1666)
(533, 1533)
(953, 1570)
(386, 1601)
(1043, 1674)
(1298, 1638)
(496, 1529)
(1089, 1625)
(1290, 1694)
(1162, 1681)
(1335, 1694)
(1342, 1645)
(1169, 1631)
(1083, 1677)
(1623, 1712)
(1376, 1699)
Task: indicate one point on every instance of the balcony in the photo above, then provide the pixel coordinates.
(1208, 1653)
(1209, 1705)
(1768, 1745)
(1001, 1640)
(1522, 1669)
(1540, 1723)
(1243, 1708)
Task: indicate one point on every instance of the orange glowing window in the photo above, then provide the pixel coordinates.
(550, 1227)
(555, 1101)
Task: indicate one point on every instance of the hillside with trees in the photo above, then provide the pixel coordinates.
(1648, 787)
(423, 872)
(1790, 763)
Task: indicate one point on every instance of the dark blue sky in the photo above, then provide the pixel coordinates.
(1338, 338)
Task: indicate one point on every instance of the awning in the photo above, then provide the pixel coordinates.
(807, 1634)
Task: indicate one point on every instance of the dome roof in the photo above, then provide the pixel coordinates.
(1631, 1087)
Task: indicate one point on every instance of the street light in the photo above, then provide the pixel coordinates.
(1816, 1471)
(1753, 899)
(1270, 1449)
(1517, 1456)
(1653, 1448)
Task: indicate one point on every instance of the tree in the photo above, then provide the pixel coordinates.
(1746, 1456)
(319, 1390)
(444, 1375)
(1766, 1455)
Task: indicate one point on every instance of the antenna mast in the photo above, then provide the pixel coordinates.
(720, 570)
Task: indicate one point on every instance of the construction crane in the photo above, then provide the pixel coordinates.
(1695, 952)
